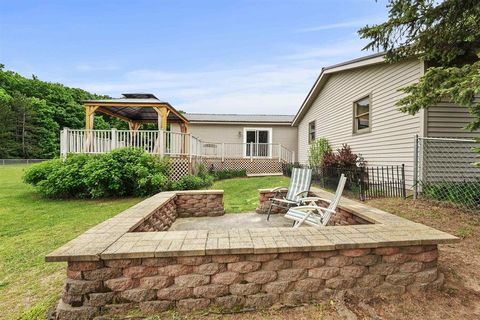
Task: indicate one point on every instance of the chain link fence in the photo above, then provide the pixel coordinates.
(445, 170)
(4, 162)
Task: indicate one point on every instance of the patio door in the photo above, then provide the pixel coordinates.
(258, 142)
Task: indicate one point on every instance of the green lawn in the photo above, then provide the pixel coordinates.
(31, 227)
(241, 194)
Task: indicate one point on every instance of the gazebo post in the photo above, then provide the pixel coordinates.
(89, 117)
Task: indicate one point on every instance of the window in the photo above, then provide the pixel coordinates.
(361, 115)
(258, 142)
(311, 131)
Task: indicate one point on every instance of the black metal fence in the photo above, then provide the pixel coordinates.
(362, 182)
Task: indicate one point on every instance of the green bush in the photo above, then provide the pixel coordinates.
(317, 150)
(122, 172)
(229, 174)
(466, 193)
(191, 182)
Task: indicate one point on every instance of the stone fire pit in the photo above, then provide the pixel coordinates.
(131, 261)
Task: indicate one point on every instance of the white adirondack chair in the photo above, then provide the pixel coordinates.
(298, 189)
(314, 214)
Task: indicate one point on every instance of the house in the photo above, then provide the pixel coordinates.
(354, 103)
(265, 132)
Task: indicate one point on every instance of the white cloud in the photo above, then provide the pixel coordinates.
(339, 25)
(275, 88)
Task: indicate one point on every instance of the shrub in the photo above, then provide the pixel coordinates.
(229, 174)
(191, 182)
(465, 193)
(343, 158)
(317, 150)
(122, 172)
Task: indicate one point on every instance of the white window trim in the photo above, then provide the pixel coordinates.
(270, 139)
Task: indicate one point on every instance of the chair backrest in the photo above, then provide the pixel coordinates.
(300, 181)
(336, 199)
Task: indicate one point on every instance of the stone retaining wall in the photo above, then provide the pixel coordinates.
(243, 280)
(199, 204)
(343, 216)
(185, 204)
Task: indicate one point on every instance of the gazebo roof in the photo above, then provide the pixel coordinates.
(136, 107)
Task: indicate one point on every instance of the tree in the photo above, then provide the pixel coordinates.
(446, 35)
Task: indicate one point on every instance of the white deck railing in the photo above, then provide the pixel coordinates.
(167, 143)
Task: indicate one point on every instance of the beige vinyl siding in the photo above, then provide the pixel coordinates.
(449, 120)
(285, 135)
(390, 141)
(448, 160)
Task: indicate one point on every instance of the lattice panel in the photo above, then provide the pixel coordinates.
(180, 167)
(257, 166)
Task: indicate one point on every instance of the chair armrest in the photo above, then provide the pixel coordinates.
(305, 208)
(306, 199)
(278, 189)
(302, 192)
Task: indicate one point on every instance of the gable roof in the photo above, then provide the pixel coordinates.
(238, 118)
(327, 72)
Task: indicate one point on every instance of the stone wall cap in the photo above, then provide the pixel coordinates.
(197, 192)
(113, 239)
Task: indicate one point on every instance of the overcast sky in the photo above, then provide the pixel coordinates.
(230, 56)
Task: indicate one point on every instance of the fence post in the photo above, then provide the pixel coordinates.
(251, 152)
(223, 152)
(113, 141)
(415, 168)
(362, 187)
(404, 191)
(279, 153)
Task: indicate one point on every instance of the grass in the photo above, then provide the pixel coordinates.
(241, 194)
(31, 227)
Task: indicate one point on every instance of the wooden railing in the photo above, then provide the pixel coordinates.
(167, 143)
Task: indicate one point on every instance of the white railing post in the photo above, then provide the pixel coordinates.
(293, 157)
(279, 153)
(161, 143)
(223, 151)
(251, 152)
(113, 140)
(64, 143)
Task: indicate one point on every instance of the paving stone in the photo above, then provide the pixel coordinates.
(155, 307)
(66, 312)
(192, 280)
(308, 263)
(78, 287)
(309, 285)
(243, 266)
(137, 295)
(277, 264)
(99, 299)
(156, 282)
(226, 278)
(188, 305)
(339, 261)
(174, 293)
(174, 270)
(120, 284)
(260, 300)
(324, 272)
(244, 289)
(230, 302)
(209, 268)
(211, 291)
(291, 274)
